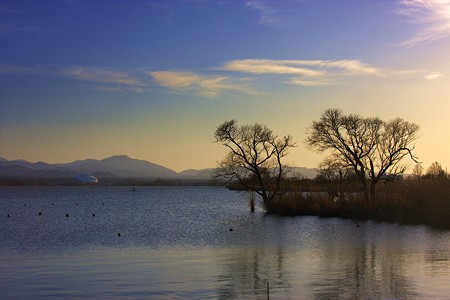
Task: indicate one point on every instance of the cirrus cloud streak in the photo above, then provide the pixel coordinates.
(308, 73)
(305, 72)
(207, 86)
(118, 79)
(433, 15)
(310, 68)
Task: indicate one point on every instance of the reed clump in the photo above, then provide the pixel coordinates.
(414, 201)
(426, 200)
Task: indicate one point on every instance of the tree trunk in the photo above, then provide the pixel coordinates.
(266, 201)
(367, 196)
(373, 185)
(365, 188)
(263, 192)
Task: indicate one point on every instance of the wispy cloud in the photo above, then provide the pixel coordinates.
(305, 72)
(424, 74)
(207, 86)
(219, 80)
(351, 67)
(268, 14)
(306, 82)
(118, 79)
(433, 75)
(433, 15)
(311, 73)
(266, 66)
(7, 69)
(102, 79)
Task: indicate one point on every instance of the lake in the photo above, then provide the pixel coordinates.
(204, 243)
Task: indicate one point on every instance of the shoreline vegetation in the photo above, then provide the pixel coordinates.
(423, 200)
(414, 200)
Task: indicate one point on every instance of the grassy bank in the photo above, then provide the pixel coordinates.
(414, 201)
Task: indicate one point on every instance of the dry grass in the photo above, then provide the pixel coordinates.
(425, 201)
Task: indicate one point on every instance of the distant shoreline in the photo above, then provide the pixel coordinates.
(107, 182)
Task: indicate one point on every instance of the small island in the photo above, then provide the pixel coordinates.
(362, 176)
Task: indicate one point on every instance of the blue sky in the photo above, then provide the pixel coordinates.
(153, 79)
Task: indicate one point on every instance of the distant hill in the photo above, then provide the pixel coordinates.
(304, 172)
(204, 174)
(121, 166)
(114, 166)
(118, 166)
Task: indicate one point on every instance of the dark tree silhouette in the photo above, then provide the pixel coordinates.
(436, 171)
(371, 147)
(254, 158)
(417, 171)
(335, 177)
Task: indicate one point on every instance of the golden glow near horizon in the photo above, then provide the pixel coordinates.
(154, 86)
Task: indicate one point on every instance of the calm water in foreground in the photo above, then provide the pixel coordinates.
(176, 243)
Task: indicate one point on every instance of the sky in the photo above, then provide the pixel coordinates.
(153, 79)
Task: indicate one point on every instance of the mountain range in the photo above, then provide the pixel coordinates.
(118, 166)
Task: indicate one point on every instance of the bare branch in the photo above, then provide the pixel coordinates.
(254, 157)
(372, 147)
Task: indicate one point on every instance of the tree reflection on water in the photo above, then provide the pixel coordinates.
(246, 272)
(339, 263)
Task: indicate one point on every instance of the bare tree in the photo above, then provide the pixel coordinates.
(417, 171)
(335, 177)
(254, 158)
(436, 171)
(371, 147)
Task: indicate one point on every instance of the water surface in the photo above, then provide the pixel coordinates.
(200, 243)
